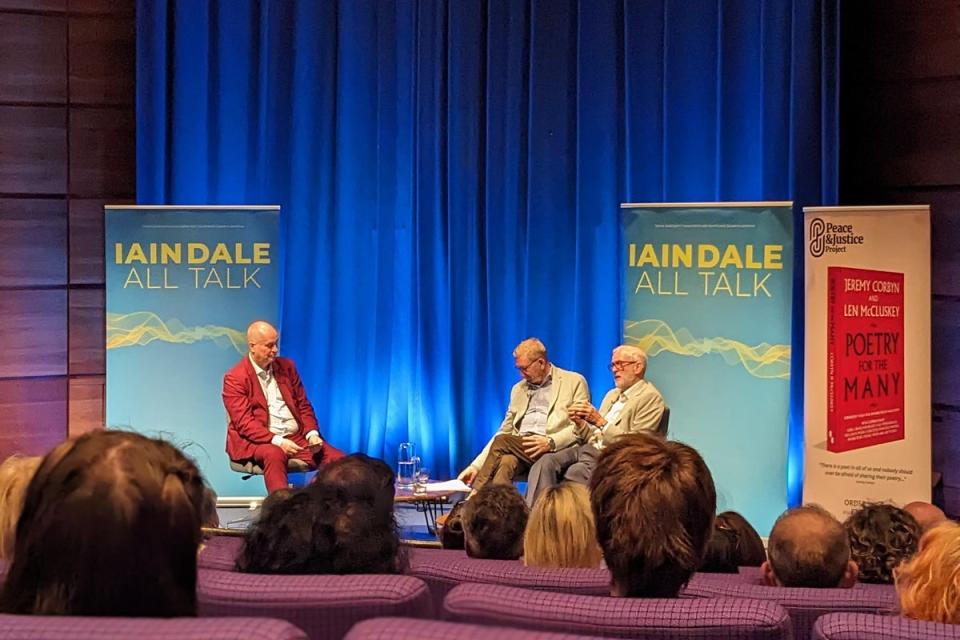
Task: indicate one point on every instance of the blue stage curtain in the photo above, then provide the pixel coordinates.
(450, 174)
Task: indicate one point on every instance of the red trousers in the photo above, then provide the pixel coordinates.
(274, 461)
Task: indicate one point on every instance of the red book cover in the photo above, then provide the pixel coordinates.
(864, 358)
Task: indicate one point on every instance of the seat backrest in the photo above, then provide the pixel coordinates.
(443, 570)
(91, 628)
(804, 605)
(325, 606)
(617, 617)
(664, 425)
(866, 626)
(393, 628)
(220, 552)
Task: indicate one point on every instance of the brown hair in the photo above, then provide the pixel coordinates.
(881, 537)
(560, 531)
(653, 501)
(493, 523)
(110, 527)
(813, 554)
(15, 474)
(929, 584)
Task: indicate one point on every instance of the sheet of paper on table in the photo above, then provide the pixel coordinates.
(448, 485)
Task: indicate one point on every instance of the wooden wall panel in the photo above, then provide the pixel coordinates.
(104, 7)
(945, 337)
(33, 333)
(86, 241)
(86, 404)
(102, 152)
(34, 5)
(33, 242)
(102, 55)
(86, 331)
(32, 58)
(32, 415)
(34, 144)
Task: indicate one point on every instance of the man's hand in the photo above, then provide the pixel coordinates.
(468, 475)
(313, 439)
(290, 447)
(585, 411)
(535, 446)
(582, 429)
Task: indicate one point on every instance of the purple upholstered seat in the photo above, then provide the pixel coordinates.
(90, 628)
(393, 628)
(803, 605)
(617, 617)
(325, 606)
(865, 626)
(220, 552)
(442, 570)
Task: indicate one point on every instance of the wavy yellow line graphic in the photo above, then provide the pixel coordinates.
(761, 361)
(140, 328)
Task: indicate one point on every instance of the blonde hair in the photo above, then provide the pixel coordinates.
(561, 531)
(15, 474)
(929, 584)
(531, 349)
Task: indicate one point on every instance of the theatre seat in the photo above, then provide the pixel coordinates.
(393, 628)
(325, 606)
(90, 628)
(672, 618)
(220, 553)
(865, 626)
(803, 605)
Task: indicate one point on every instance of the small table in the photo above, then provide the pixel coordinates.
(430, 503)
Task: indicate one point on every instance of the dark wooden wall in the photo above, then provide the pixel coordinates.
(67, 146)
(900, 143)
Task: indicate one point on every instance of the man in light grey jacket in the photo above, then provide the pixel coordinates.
(632, 405)
(536, 422)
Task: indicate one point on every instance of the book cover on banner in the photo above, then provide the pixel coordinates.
(865, 343)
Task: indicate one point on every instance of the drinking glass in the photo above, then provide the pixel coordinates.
(406, 464)
(422, 478)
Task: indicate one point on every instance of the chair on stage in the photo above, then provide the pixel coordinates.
(299, 472)
(325, 606)
(96, 628)
(392, 628)
(672, 618)
(804, 605)
(865, 626)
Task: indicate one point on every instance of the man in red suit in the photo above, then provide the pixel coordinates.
(271, 419)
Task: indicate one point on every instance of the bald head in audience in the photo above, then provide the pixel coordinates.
(808, 547)
(927, 515)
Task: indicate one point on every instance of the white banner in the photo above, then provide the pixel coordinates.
(867, 356)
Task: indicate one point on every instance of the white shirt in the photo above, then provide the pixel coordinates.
(282, 423)
(613, 413)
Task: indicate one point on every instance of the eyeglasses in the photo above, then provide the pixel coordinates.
(618, 365)
(523, 368)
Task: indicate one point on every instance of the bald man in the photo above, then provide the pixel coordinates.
(808, 547)
(271, 419)
(927, 515)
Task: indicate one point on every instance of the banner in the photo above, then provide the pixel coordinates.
(708, 296)
(867, 358)
(182, 285)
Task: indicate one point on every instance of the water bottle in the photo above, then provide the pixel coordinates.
(406, 465)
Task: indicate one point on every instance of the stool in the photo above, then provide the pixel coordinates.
(299, 472)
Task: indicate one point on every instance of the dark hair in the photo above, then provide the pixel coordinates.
(209, 516)
(749, 551)
(721, 555)
(110, 527)
(808, 548)
(493, 523)
(881, 537)
(341, 524)
(653, 501)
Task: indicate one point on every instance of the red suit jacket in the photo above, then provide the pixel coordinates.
(247, 407)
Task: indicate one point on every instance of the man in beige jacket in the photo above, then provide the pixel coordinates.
(536, 422)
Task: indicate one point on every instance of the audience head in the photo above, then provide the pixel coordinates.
(750, 551)
(808, 547)
(929, 583)
(560, 531)
(927, 515)
(530, 359)
(341, 524)
(628, 364)
(110, 527)
(881, 537)
(15, 474)
(209, 516)
(721, 555)
(493, 523)
(653, 502)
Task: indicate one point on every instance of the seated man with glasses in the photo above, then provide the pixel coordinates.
(536, 423)
(633, 405)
